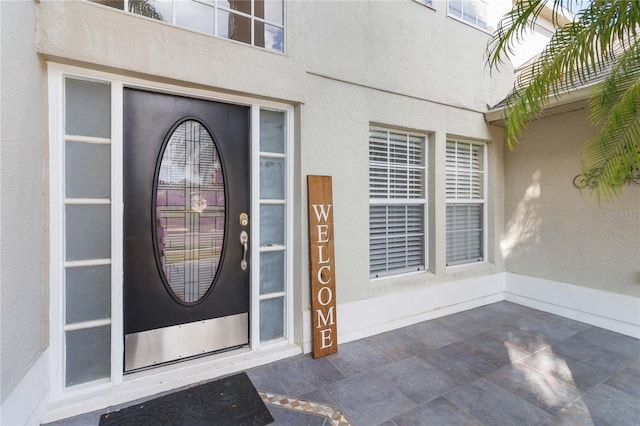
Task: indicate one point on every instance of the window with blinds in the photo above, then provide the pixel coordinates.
(465, 202)
(397, 202)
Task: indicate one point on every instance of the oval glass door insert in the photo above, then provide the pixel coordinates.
(189, 211)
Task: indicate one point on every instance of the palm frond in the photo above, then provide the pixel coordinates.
(576, 53)
(613, 156)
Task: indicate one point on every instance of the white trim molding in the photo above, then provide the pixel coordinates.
(612, 311)
(25, 405)
(368, 317)
(364, 318)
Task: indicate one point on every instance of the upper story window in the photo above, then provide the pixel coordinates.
(397, 202)
(256, 22)
(473, 12)
(429, 3)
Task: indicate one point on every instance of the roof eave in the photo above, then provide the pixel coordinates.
(496, 115)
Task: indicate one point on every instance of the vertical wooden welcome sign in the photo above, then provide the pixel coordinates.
(323, 283)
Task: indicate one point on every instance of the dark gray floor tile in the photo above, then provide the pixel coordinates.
(489, 315)
(431, 335)
(302, 374)
(264, 379)
(395, 345)
(628, 381)
(387, 423)
(613, 406)
(562, 321)
(89, 419)
(463, 324)
(573, 416)
(512, 308)
(603, 359)
(356, 357)
(541, 390)
(619, 343)
(416, 379)
(575, 373)
(367, 399)
(517, 337)
(286, 417)
(496, 352)
(436, 412)
(463, 366)
(552, 332)
(319, 395)
(493, 405)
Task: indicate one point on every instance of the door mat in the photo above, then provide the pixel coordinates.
(230, 401)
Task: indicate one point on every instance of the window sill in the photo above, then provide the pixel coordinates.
(416, 280)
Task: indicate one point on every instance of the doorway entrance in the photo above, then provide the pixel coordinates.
(186, 233)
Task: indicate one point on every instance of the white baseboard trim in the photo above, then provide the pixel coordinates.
(615, 312)
(26, 403)
(368, 317)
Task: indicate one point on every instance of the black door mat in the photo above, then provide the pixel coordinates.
(230, 401)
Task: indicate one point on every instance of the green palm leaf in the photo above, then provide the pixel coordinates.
(601, 40)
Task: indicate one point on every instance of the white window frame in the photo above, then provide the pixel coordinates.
(252, 17)
(423, 201)
(486, 29)
(467, 201)
(139, 383)
(431, 4)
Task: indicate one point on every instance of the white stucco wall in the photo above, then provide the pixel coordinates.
(348, 64)
(23, 237)
(554, 232)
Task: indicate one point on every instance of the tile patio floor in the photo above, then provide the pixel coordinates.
(500, 364)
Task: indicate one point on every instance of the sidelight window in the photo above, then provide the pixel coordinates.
(87, 228)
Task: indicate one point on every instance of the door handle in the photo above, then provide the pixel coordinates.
(244, 240)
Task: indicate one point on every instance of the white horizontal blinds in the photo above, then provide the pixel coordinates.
(397, 202)
(87, 237)
(465, 202)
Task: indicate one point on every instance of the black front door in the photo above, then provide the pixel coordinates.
(186, 194)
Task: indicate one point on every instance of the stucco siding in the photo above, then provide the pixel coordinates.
(553, 231)
(335, 138)
(24, 320)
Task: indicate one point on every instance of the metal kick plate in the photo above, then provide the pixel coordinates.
(148, 348)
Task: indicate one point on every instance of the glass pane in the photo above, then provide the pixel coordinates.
(455, 8)
(234, 27)
(272, 131)
(116, 4)
(160, 10)
(88, 232)
(243, 6)
(271, 225)
(270, 10)
(271, 319)
(269, 36)
(87, 170)
(272, 178)
(271, 272)
(87, 108)
(88, 355)
(195, 16)
(190, 210)
(88, 293)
